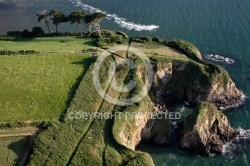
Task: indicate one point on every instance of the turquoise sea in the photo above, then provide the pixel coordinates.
(215, 26)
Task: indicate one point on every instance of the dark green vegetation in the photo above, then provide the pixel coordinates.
(15, 142)
(58, 17)
(11, 148)
(56, 82)
(63, 44)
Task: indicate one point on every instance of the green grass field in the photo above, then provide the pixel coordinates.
(47, 44)
(38, 87)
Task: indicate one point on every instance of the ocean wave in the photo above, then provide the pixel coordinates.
(239, 103)
(244, 134)
(219, 58)
(239, 145)
(118, 20)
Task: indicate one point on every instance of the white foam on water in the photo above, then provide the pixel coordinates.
(229, 149)
(219, 58)
(245, 159)
(235, 146)
(118, 20)
(244, 134)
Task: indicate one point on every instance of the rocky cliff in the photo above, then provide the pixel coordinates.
(158, 132)
(206, 130)
(178, 81)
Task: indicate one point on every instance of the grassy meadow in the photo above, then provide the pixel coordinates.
(39, 87)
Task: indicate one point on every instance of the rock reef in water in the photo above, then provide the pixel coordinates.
(206, 130)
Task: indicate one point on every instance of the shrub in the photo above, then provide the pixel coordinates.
(14, 33)
(103, 42)
(124, 35)
(37, 32)
(72, 34)
(158, 40)
(27, 34)
(8, 125)
(146, 38)
(110, 38)
(185, 47)
(143, 39)
(107, 33)
(17, 52)
(7, 38)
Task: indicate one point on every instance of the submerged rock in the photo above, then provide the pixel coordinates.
(206, 130)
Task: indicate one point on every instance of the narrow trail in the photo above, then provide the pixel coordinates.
(79, 143)
(17, 135)
(103, 155)
(18, 132)
(25, 156)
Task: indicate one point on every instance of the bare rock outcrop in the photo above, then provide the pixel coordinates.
(206, 130)
(179, 81)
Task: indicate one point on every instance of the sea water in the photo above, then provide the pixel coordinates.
(220, 27)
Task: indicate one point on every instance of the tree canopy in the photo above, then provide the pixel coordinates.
(44, 17)
(96, 17)
(58, 17)
(77, 17)
(93, 20)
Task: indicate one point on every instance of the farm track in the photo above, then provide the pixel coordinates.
(18, 132)
(17, 135)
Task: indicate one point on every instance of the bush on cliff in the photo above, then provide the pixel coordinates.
(110, 38)
(185, 47)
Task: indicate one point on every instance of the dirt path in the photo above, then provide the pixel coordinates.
(18, 132)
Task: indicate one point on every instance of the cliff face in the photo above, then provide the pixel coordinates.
(225, 97)
(193, 82)
(130, 134)
(206, 130)
(158, 132)
(178, 81)
(179, 78)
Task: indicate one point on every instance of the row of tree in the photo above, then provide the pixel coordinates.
(78, 17)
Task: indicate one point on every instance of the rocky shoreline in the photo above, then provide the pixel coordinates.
(235, 105)
(206, 130)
